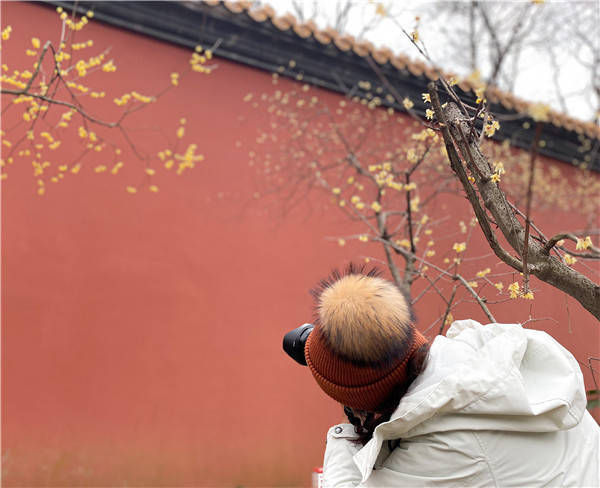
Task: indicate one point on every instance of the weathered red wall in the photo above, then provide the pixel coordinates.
(141, 335)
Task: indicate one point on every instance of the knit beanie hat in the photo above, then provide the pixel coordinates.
(363, 339)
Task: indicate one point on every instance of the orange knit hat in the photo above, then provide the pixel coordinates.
(363, 339)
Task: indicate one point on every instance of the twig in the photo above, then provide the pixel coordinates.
(567, 235)
(476, 296)
(590, 359)
(409, 217)
(538, 320)
(448, 308)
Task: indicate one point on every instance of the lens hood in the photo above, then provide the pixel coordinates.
(294, 341)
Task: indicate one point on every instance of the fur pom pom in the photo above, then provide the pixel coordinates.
(364, 318)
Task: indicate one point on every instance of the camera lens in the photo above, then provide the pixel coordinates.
(293, 342)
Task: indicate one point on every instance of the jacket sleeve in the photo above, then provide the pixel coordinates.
(339, 469)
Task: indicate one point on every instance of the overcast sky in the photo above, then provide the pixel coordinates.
(535, 81)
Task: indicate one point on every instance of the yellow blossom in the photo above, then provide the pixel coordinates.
(412, 156)
(539, 112)
(499, 286)
(472, 284)
(459, 246)
(363, 238)
(583, 244)
(570, 260)
(495, 178)
(376, 206)
(514, 289)
(188, 159)
(115, 169)
(426, 97)
(449, 319)
(341, 242)
(336, 191)
(407, 103)
(131, 189)
(491, 127)
(153, 188)
(414, 205)
(429, 114)
(430, 253)
(6, 33)
(35, 42)
(499, 167)
(404, 243)
(483, 272)
(109, 67)
(528, 295)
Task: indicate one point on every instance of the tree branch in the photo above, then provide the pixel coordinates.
(543, 266)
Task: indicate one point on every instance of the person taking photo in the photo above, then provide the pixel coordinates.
(485, 405)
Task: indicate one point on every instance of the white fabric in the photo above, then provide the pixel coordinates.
(496, 405)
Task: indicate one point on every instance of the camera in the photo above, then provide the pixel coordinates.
(294, 341)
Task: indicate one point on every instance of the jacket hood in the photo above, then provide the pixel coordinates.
(492, 377)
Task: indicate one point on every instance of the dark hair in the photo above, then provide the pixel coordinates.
(365, 422)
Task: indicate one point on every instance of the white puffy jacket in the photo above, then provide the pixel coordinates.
(496, 405)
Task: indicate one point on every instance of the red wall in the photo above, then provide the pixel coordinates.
(141, 335)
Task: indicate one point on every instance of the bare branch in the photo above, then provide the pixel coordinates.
(448, 308)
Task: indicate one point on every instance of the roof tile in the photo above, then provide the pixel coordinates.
(304, 30)
(382, 55)
(345, 42)
(237, 7)
(363, 48)
(261, 14)
(399, 61)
